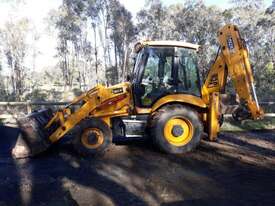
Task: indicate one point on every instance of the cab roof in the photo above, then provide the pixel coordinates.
(142, 44)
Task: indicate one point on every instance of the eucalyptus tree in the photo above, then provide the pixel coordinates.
(13, 38)
(257, 26)
(68, 24)
(122, 34)
(191, 21)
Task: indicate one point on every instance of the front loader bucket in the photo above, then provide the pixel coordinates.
(34, 139)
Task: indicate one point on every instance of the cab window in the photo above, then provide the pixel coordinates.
(188, 76)
(157, 74)
(165, 70)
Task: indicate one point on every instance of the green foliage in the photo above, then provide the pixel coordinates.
(95, 38)
(196, 23)
(36, 95)
(269, 67)
(77, 91)
(231, 125)
(13, 37)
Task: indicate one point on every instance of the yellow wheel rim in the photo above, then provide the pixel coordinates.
(178, 131)
(92, 138)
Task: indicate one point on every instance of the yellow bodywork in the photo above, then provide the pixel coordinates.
(174, 98)
(102, 102)
(182, 139)
(235, 62)
(180, 98)
(232, 61)
(107, 102)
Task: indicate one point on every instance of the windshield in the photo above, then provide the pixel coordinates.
(166, 70)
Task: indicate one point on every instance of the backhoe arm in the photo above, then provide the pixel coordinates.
(232, 60)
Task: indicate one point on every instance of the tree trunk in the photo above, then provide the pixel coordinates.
(125, 65)
(95, 45)
(116, 67)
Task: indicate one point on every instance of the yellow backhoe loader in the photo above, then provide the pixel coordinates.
(165, 88)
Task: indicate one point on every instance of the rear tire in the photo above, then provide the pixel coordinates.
(176, 129)
(92, 136)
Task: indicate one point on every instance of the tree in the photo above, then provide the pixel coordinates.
(151, 20)
(122, 33)
(68, 23)
(95, 38)
(13, 37)
(101, 21)
(248, 4)
(192, 22)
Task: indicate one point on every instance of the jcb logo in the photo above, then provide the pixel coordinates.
(117, 90)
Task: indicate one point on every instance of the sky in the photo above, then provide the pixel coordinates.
(37, 11)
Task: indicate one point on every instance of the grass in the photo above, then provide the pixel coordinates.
(231, 125)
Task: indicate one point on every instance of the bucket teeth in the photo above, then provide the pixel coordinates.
(34, 133)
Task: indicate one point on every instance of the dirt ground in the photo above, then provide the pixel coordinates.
(239, 169)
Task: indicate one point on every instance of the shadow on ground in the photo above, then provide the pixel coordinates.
(232, 171)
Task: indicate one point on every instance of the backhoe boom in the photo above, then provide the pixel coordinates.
(233, 61)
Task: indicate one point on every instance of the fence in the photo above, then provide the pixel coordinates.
(28, 105)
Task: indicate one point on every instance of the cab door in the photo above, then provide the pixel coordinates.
(154, 75)
(160, 71)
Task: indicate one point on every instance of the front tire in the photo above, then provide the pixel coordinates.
(92, 136)
(176, 129)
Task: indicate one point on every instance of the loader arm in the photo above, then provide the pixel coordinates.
(102, 102)
(41, 129)
(232, 60)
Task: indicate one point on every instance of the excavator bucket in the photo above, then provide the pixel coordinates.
(34, 139)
